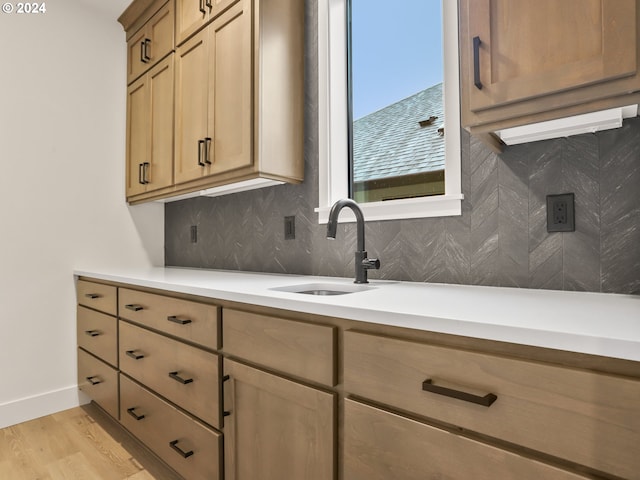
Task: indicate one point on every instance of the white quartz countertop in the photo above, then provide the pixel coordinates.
(593, 323)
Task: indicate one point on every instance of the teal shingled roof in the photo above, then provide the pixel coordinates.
(391, 142)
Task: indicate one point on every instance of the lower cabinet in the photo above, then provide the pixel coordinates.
(275, 428)
(379, 445)
(99, 381)
(189, 447)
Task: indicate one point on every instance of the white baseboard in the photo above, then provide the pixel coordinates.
(24, 409)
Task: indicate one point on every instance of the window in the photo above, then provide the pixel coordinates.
(443, 190)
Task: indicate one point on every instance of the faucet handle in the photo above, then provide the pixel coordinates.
(371, 263)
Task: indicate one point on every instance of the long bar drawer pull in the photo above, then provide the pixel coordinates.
(476, 62)
(179, 379)
(178, 320)
(174, 445)
(92, 381)
(134, 355)
(485, 401)
(131, 411)
(133, 307)
(92, 333)
(92, 296)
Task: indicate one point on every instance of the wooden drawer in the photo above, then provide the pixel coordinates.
(98, 334)
(588, 418)
(301, 349)
(192, 321)
(380, 446)
(99, 381)
(159, 357)
(158, 425)
(97, 296)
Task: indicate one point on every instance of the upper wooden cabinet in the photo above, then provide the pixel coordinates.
(149, 117)
(535, 60)
(213, 97)
(151, 43)
(192, 15)
(238, 98)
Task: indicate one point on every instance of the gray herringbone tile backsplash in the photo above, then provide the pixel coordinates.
(500, 239)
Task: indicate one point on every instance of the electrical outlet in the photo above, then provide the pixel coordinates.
(290, 228)
(561, 213)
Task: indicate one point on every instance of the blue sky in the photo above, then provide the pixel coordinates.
(397, 51)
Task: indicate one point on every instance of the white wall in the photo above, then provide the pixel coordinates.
(62, 134)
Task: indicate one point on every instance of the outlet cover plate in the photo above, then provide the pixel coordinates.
(561, 213)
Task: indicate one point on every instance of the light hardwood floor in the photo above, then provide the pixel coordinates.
(81, 443)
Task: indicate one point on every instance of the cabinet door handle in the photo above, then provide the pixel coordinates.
(92, 296)
(131, 411)
(200, 145)
(179, 379)
(179, 321)
(92, 333)
(147, 44)
(209, 4)
(207, 150)
(476, 62)
(142, 53)
(92, 381)
(134, 355)
(133, 307)
(145, 173)
(174, 445)
(485, 401)
(140, 174)
(202, 7)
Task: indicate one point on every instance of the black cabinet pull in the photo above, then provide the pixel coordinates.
(134, 355)
(202, 7)
(179, 379)
(92, 296)
(92, 381)
(476, 62)
(145, 173)
(207, 151)
(179, 321)
(142, 54)
(209, 4)
(174, 445)
(93, 333)
(147, 43)
(485, 401)
(200, 145)
(131, 411)
(133, 307)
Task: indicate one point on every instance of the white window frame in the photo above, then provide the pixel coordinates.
(332, 115)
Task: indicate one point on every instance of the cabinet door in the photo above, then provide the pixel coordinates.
(379, 445)
(532, 48)
(192, 86)
(137, 135)
(276, 428)
(230, 103)
(160, 172)
(191, 15)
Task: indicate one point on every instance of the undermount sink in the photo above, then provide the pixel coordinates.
(323, 289)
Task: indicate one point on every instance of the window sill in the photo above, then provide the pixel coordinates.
(436, 206)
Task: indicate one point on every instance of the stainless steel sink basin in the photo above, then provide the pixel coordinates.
(324, 289)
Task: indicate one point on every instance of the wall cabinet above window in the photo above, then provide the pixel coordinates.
(536, 60)
(236, 93)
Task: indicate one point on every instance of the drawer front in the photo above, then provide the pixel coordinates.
(99, 381)
(380, 446)
(98, 334)
(296, 348)
(158, 425)
(98, 296)
(186, 375)
(192, 321)
(567, 413)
